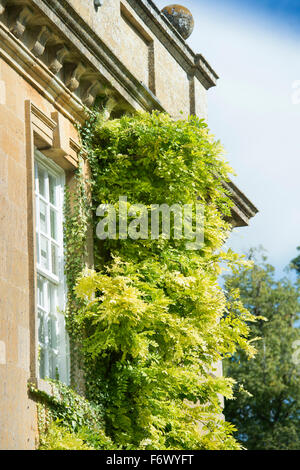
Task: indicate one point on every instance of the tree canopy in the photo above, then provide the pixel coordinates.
(266, 410)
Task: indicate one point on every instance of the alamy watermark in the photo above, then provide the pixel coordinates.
(141, 222)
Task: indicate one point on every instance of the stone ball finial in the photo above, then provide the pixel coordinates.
(181, 18)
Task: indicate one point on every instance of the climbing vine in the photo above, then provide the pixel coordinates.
(67, 421)
(75, 231)
(152, 319)
(77, 218)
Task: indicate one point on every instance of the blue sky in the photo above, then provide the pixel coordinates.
(286, 11)
(254, 46)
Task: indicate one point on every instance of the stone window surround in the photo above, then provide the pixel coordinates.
(47, 135)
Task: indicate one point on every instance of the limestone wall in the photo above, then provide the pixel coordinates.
(17, 413)
(144, 52)
(18, 424)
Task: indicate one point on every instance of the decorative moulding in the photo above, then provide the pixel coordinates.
(50, 136)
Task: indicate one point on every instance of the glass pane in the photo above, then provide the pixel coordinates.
(43, 217)
(54, 258)
(52, 298)
(52, 189)
(42, 179)
(41, 328)
(44, 252)
(53, 221)
(52, 332)
(40, 290)
(53, 366)
(42, 363)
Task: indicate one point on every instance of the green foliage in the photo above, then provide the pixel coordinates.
(68, 421)
(60, 438)
(154, 318)
(77, 217)
(295, 263)
(267, 405)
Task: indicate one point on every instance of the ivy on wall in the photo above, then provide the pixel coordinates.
(151, 318)
(66, 421)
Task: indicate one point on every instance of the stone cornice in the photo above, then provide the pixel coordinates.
(91, 46)
(37, 74)
(59, 54)
(243, 209)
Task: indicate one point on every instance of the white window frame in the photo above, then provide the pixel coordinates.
(56, 340)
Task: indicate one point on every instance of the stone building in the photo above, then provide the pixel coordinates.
(57, 56)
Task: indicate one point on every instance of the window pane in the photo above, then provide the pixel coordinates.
(52, 189)
(54, 258)
(40, 289)
(44, 252)
(42, 178)
(53, 221)
(41, 328)
(42, 358)
(43, 217)
(53, 301)
(63, 342)
(52, 332)
(53, 366)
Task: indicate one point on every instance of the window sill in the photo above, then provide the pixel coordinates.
(41, 387)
